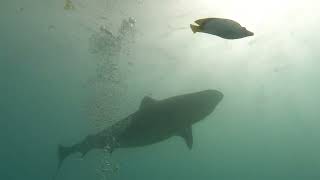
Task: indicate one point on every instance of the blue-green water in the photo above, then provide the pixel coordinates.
(63, 77)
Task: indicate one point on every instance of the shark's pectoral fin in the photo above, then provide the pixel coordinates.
(147, 101)
(186, 134)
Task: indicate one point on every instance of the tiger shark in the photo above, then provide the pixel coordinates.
(153, 122)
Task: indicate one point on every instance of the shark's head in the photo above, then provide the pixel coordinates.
(203, 103)
(210, 98)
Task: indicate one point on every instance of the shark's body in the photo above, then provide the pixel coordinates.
(154, 122)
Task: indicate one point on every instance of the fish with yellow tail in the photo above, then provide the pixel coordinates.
(224, 28)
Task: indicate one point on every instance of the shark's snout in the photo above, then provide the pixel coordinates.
(219, 95)
(213, 97)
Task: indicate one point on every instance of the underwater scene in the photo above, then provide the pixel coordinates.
(159, 90)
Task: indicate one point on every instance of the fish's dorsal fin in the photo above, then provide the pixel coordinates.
(186, 134)
(147, 101)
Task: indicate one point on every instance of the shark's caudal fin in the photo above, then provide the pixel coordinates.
(195, 28)
(89, 143)
(98, 141)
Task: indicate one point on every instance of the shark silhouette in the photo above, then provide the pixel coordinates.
(155, 121)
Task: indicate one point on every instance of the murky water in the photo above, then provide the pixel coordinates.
(70, 68)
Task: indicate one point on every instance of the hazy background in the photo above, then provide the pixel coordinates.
(52, 93)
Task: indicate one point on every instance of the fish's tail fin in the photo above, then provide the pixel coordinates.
(195, 28)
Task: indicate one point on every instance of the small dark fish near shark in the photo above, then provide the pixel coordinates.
(155, 121)
(224, 28)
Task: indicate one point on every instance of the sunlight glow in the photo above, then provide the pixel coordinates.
(259, 13)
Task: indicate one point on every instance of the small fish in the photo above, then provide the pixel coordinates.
(224, 28)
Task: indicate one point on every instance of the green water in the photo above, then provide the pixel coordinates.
(63, 77)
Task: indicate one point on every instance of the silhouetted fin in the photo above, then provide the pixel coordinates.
(186, 134)
(63, 152)
(147, 101)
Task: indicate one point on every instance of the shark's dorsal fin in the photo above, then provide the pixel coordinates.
(186, 134)
(147, 101)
